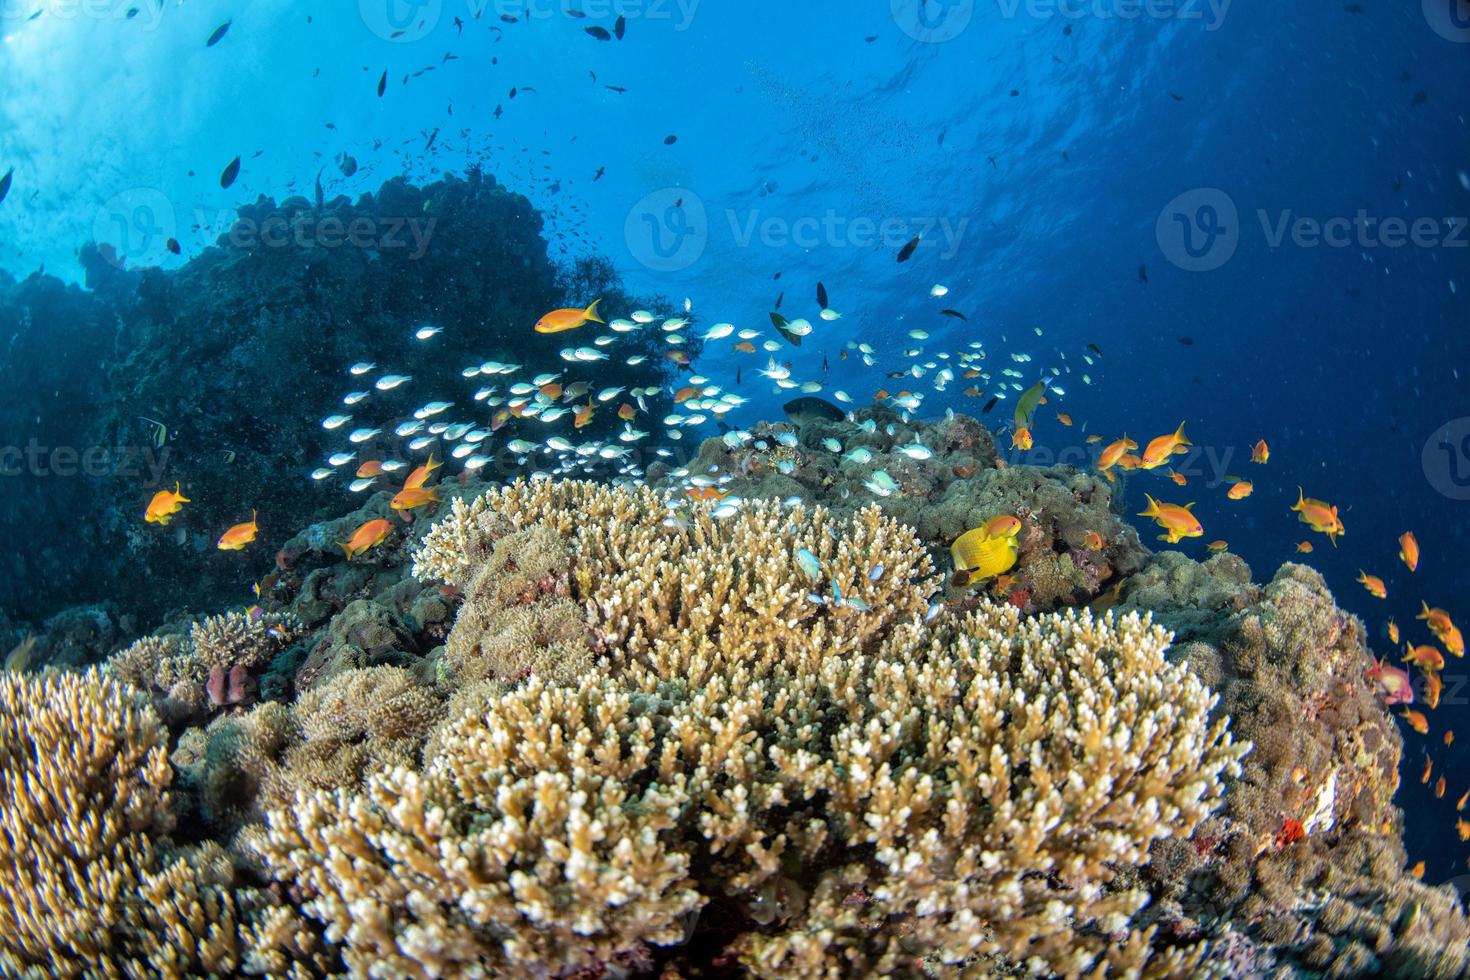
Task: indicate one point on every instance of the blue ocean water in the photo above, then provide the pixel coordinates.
(1153, 179)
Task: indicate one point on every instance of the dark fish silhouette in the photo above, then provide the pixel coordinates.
(173, 246)
(821, 296)
(1095, 349)
(803, 411)
(382, 84)
(955, 313)
(219, 34)
(615, 88)
(1143, 274)
(1187, 341)
(908, 250)
(598, 176)
(779, 322)
(5, 183)
(621, 27)
(231, 171)
(670, 140)
(347, 164)
(600, 33)
(779, 299)
(988, 406)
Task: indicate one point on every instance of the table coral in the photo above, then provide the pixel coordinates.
(856, 791)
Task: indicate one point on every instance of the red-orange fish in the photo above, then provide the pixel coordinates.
(239, 536)
(164, 505)
(366, 537)
(568, 319)
(1409, 550)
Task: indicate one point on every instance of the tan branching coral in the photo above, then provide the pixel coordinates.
(181, 669)
(774, 730)
(91, 884)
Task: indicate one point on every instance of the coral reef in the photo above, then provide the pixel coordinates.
(960, 486)
(811, 767)
(225, 352)
(600, 732)
(93, 884)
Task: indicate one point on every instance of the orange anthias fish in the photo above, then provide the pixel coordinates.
(1093, 541)
(164, 505)
(1443, 628)
(684, 394)
(367, 537)
(1260, 452)
(568, 319)
(1179, 478)
(1021, 438)
(1114, 451)
(551, 390)
(1393, 632)
(1373, 584)
(1409, 550)
(1416, 721)
(745, 347)
(1433, 688)
(1241, 490)
(707, 493)
(412, 498)
(372, 467)
(1176, 520)
(627, 412)
(1129, 461)
(1004, 526)
(420, 476)
(1218, 546)
(1319, 516)
(1159, 450)
(1398, 687)
(1065, 419)
(584, 414)
(1425, 657)
(1305, 547)
(679, 357)
(237, 537)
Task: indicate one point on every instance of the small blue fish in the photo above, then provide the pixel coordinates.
(859, 456)
(787, 439)
(869, 426)
(809, 564)
(860, 604)
(876, 573)
(934, 610)
(836, 593)
(832, 445)
(786, 467)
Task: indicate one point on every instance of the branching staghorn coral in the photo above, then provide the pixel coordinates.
(92, 885)
(860, 793)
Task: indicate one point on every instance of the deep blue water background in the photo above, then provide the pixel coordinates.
(1054, 141)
